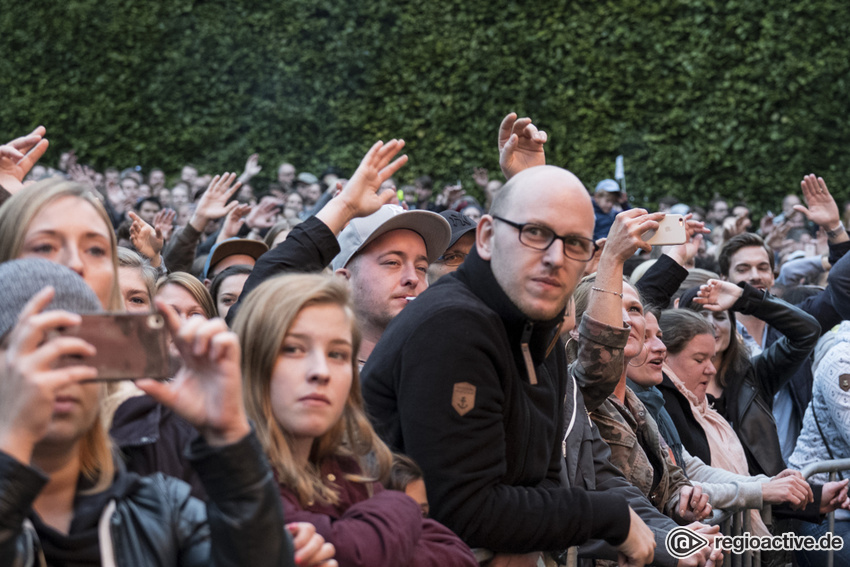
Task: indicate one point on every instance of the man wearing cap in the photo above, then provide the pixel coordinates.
(385, 258)
(384, 251)
(232, 252)
(607, 194)
(463, 237)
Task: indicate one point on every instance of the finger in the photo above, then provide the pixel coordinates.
(326, 554)
(505, 129)
(10, 153)
(29, 333)
(48, 354)
(61, 377)
(213, 185)
(224, 346)
(306, 554)
(25, 143)
(33, 156)
(684, 499)
(520, 125)
(204, 334)
(159, 391)
(136, 218)
(390, 170)
(301, 533)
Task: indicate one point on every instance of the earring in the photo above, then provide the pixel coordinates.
(645, 358)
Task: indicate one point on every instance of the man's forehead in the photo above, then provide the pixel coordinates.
(749, 254)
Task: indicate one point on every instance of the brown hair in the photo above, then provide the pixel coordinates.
(262, 324)
(680, 326)
(743, 240)
(195, 288)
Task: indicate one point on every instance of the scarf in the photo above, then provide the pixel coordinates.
(727, 453)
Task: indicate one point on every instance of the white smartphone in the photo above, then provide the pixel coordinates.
(671, 231)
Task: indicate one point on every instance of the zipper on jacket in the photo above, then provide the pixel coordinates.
(526, 353)
(107, 551)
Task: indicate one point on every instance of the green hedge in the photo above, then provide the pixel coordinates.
(741, 98)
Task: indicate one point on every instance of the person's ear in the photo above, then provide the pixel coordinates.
(484, 237)
(207, 283)
(676, 303)
(343, 273)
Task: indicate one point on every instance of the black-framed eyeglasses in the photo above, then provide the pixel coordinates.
(541, 238)
(452, 258)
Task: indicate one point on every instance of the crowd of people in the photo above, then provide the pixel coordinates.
(363, 373)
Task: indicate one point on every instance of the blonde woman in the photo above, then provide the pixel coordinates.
(302, 390)
(64, 500)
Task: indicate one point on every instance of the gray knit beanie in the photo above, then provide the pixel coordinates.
(22, 279)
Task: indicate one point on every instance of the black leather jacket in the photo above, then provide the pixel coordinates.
(154, 521)
(747, 402)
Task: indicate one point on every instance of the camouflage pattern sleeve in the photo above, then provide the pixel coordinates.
(600, 361)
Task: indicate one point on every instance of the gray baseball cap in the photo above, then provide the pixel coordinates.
(360, 232)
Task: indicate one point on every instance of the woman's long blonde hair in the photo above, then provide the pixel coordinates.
(263, 321)
(20, 209)
(16, 214)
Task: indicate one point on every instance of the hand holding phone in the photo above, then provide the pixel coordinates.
(671, 230)
(129, 345)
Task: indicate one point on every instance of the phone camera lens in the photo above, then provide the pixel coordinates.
(155, 321)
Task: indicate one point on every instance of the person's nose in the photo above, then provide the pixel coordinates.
(409, 275)
(554, 255)
(72, 258)
(318, 370)
(710, 370)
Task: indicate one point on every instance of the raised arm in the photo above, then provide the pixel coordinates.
(17, 158)
(520, 145)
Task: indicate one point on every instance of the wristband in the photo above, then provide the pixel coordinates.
(607, 291)
(833, 232)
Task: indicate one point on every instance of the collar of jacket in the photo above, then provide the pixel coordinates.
(651, 397)
(476, 274)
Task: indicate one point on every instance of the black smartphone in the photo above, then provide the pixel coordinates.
(129, 345)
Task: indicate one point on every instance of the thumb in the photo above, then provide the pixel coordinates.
(802, 209)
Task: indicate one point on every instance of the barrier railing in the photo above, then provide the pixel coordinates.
(832, 467)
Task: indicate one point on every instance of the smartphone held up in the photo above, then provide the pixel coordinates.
(671, 231)
(129, 346)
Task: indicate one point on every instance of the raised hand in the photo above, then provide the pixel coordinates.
(147, 240)
(28, 380)
(481, 176)
(207, 390)
(716, 295)
(822, 208)
(626, 234)
(18, 156)
(684, 253)
(520, 145)
(252, 168)
(213, 203)
(233, 222)
(359, 197)
(163, 222)
(264, 214)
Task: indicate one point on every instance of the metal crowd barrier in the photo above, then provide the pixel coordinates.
(831, 467)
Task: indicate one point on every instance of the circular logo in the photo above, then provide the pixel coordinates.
(682, 542)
